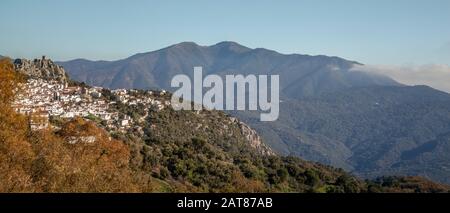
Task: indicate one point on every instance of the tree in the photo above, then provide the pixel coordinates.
(349, 184)
(312, 178)
(16, 154)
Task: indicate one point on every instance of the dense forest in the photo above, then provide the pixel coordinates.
(175, 151)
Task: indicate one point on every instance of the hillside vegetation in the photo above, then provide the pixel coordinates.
(175, 151)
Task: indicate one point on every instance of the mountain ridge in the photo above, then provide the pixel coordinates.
(155, 68)
(216, 45)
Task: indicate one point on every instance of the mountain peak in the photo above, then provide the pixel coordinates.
(227, 44)
(186, 44)
(230, 46)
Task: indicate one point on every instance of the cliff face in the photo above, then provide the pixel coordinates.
(253, 138)
(41, 68)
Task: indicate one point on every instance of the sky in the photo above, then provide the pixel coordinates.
(395, 32)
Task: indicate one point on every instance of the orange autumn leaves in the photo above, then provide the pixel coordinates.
(45, 161)
(16, 153)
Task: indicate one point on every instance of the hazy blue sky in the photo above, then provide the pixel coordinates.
(371, 31)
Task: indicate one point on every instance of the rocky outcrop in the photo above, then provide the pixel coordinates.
(41, 68)
(253, 138)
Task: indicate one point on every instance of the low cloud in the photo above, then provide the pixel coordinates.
(433, 75)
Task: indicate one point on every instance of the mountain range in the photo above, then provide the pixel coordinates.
(332, 113)
(300, 75)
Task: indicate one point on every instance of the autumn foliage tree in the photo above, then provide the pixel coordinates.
(100, 164)
(16, 154)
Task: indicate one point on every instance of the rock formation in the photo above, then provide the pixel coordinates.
(253, 138)
(41, 68)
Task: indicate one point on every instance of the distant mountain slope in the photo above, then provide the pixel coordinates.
(330, 113)
(371, 131)
(300, 75)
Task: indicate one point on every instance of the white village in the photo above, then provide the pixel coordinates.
(43, 95)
